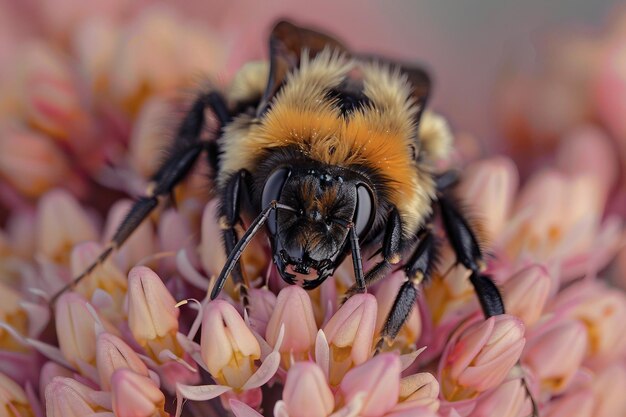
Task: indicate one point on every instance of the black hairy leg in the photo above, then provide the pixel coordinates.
(417, 270)
(391, 251)
(469, 254)
(234, 195)
(182, 155)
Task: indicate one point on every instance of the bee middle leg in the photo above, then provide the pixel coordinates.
(417, 270)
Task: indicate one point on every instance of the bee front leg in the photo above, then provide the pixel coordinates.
(391, 251)
(234, 195)
(182, 155)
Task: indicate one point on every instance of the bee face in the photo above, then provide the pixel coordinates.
(310, 240)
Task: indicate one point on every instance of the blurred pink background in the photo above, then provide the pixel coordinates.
(465, 44)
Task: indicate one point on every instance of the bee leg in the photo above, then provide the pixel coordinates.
(447, 180)
(235, 191)
(417, 270)
(182, 156)
(469, 254)
(391, 252)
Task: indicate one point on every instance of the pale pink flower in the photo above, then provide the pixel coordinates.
(608, 391)
(306, 393)
(526, 293)
(480, 356)
(294, 311)
(578, 403)
(47, 92)
(152, 313)
(350, 334)
(76, 324)
(602, 311)
(61, 224)
(13, 399)
(30, 161)
(489, 187)
(506, 400)
(107, 277)
(12, 314)
(135, 395)
(229, 348)
(554, 353)
(373, 387)
(113, 353)
(421, 389)
(66, 397)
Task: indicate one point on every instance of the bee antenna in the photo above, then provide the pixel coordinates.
(237, 251)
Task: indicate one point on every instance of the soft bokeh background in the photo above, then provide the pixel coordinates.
(466, 44)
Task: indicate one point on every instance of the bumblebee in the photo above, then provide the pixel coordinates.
(331, 153)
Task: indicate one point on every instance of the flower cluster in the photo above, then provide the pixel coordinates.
(139, 337)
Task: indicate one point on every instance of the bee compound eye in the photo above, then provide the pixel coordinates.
(365, 211)
(272, 190)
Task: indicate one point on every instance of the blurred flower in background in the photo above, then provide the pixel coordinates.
(90, 93)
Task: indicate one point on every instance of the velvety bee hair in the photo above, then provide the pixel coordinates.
(380, 136)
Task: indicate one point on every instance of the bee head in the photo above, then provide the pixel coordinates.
(309, 241)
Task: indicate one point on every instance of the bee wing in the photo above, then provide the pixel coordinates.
(286, 44)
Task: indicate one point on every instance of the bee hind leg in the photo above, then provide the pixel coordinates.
(469, 254)
(182, 155)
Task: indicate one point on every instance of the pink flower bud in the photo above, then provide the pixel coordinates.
(350, 332)
(12, 314)
(148, 139)
(526, 293)
(31, 162)
(480, 356)
(13, 400)
(602, 311)
(66, 397)
(262, 303)
(106, 277)
(507, 400)
(76, 329)
(48, 94)
(306, 393)
(608, 391)
(113, 353)
(211, 252)
(136, 395)
(489, 186)
(152, 312)
(228, 347)
(555, 353)
(575, 404)
(420, 389)
(294, 311)
(377, 381)
(61, 223)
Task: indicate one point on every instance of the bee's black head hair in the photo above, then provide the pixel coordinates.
(312, 240)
